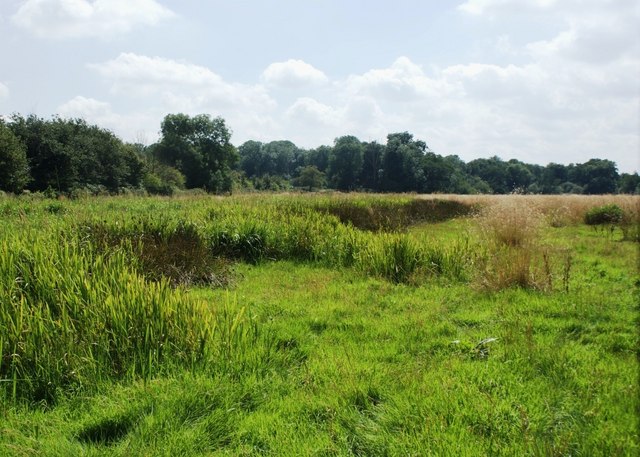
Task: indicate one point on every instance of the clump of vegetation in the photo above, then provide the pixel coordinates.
(515, 255)
(607, 214)
(392, 214)
(612, 216)
(510, 222)
(393, 257)
(72, 317)
(163, 249)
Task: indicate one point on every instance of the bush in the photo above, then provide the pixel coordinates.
(606, 214)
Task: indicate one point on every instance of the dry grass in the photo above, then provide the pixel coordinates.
(558, 210)
(510, 229)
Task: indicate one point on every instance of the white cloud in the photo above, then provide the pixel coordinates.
(87, 108)
(293, 74)
(87, 18)
(158, 86)
(180, 84)
(402, 81)
(310, 111)
(547, 109)
(132, 126)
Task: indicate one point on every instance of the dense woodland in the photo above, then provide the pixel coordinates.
(69, 156)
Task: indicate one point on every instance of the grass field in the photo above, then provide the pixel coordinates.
(319, 325)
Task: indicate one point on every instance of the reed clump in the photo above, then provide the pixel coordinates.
(514, 254)
(162, 248)
(72, 317)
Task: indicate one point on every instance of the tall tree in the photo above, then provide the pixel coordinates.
(372, 166)
(597, 176)
(345, 162)
(14, 167)
(401, 163)
(200, 148)
(493, 171)
(629, 183)
(319, 157)
(252, 158)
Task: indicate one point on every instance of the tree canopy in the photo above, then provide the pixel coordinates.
(200, 148)
(195, 152)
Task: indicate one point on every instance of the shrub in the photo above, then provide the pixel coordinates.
(605, 214)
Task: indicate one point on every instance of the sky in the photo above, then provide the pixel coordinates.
(536, 80)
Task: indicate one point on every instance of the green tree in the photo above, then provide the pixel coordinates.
(402, 170)
(493, 171)
(281, 158)
(310, 178)
(597, 176)
(319, 157)
(14, 166)
(372, 166)
(438, 173)
(200, 148)
(629, 183)
(65, 154)
(252, 159)
(518, 176)
(345, 162)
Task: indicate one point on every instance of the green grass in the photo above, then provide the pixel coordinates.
(369, 343)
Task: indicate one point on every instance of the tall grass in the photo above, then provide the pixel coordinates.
(515, 255)
(72, 317)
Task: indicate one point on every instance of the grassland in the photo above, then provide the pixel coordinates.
(318, 325)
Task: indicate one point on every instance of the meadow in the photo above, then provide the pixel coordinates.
(320, 324)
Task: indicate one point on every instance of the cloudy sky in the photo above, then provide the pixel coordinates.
(537, 80)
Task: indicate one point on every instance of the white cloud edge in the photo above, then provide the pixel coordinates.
(72, 19)
(293, 73)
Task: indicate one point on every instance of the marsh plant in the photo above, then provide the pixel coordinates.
(515, 256)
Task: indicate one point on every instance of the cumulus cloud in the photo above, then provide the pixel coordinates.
(131, 126)
(578, 93)
(84, 107)
(293, 74)
(179, 83)
(309, 110)
(159, 86)
(87, 18)
(402, 81)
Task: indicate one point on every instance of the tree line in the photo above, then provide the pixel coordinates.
(67, 156)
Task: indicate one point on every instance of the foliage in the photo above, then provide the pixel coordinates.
(597, 176)
(14, 167)
(345, 163)
(310, 178)
(72, 317)
(606, 214)
(66, 154)
(200, 148)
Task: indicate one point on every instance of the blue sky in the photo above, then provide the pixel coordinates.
(537, 80)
